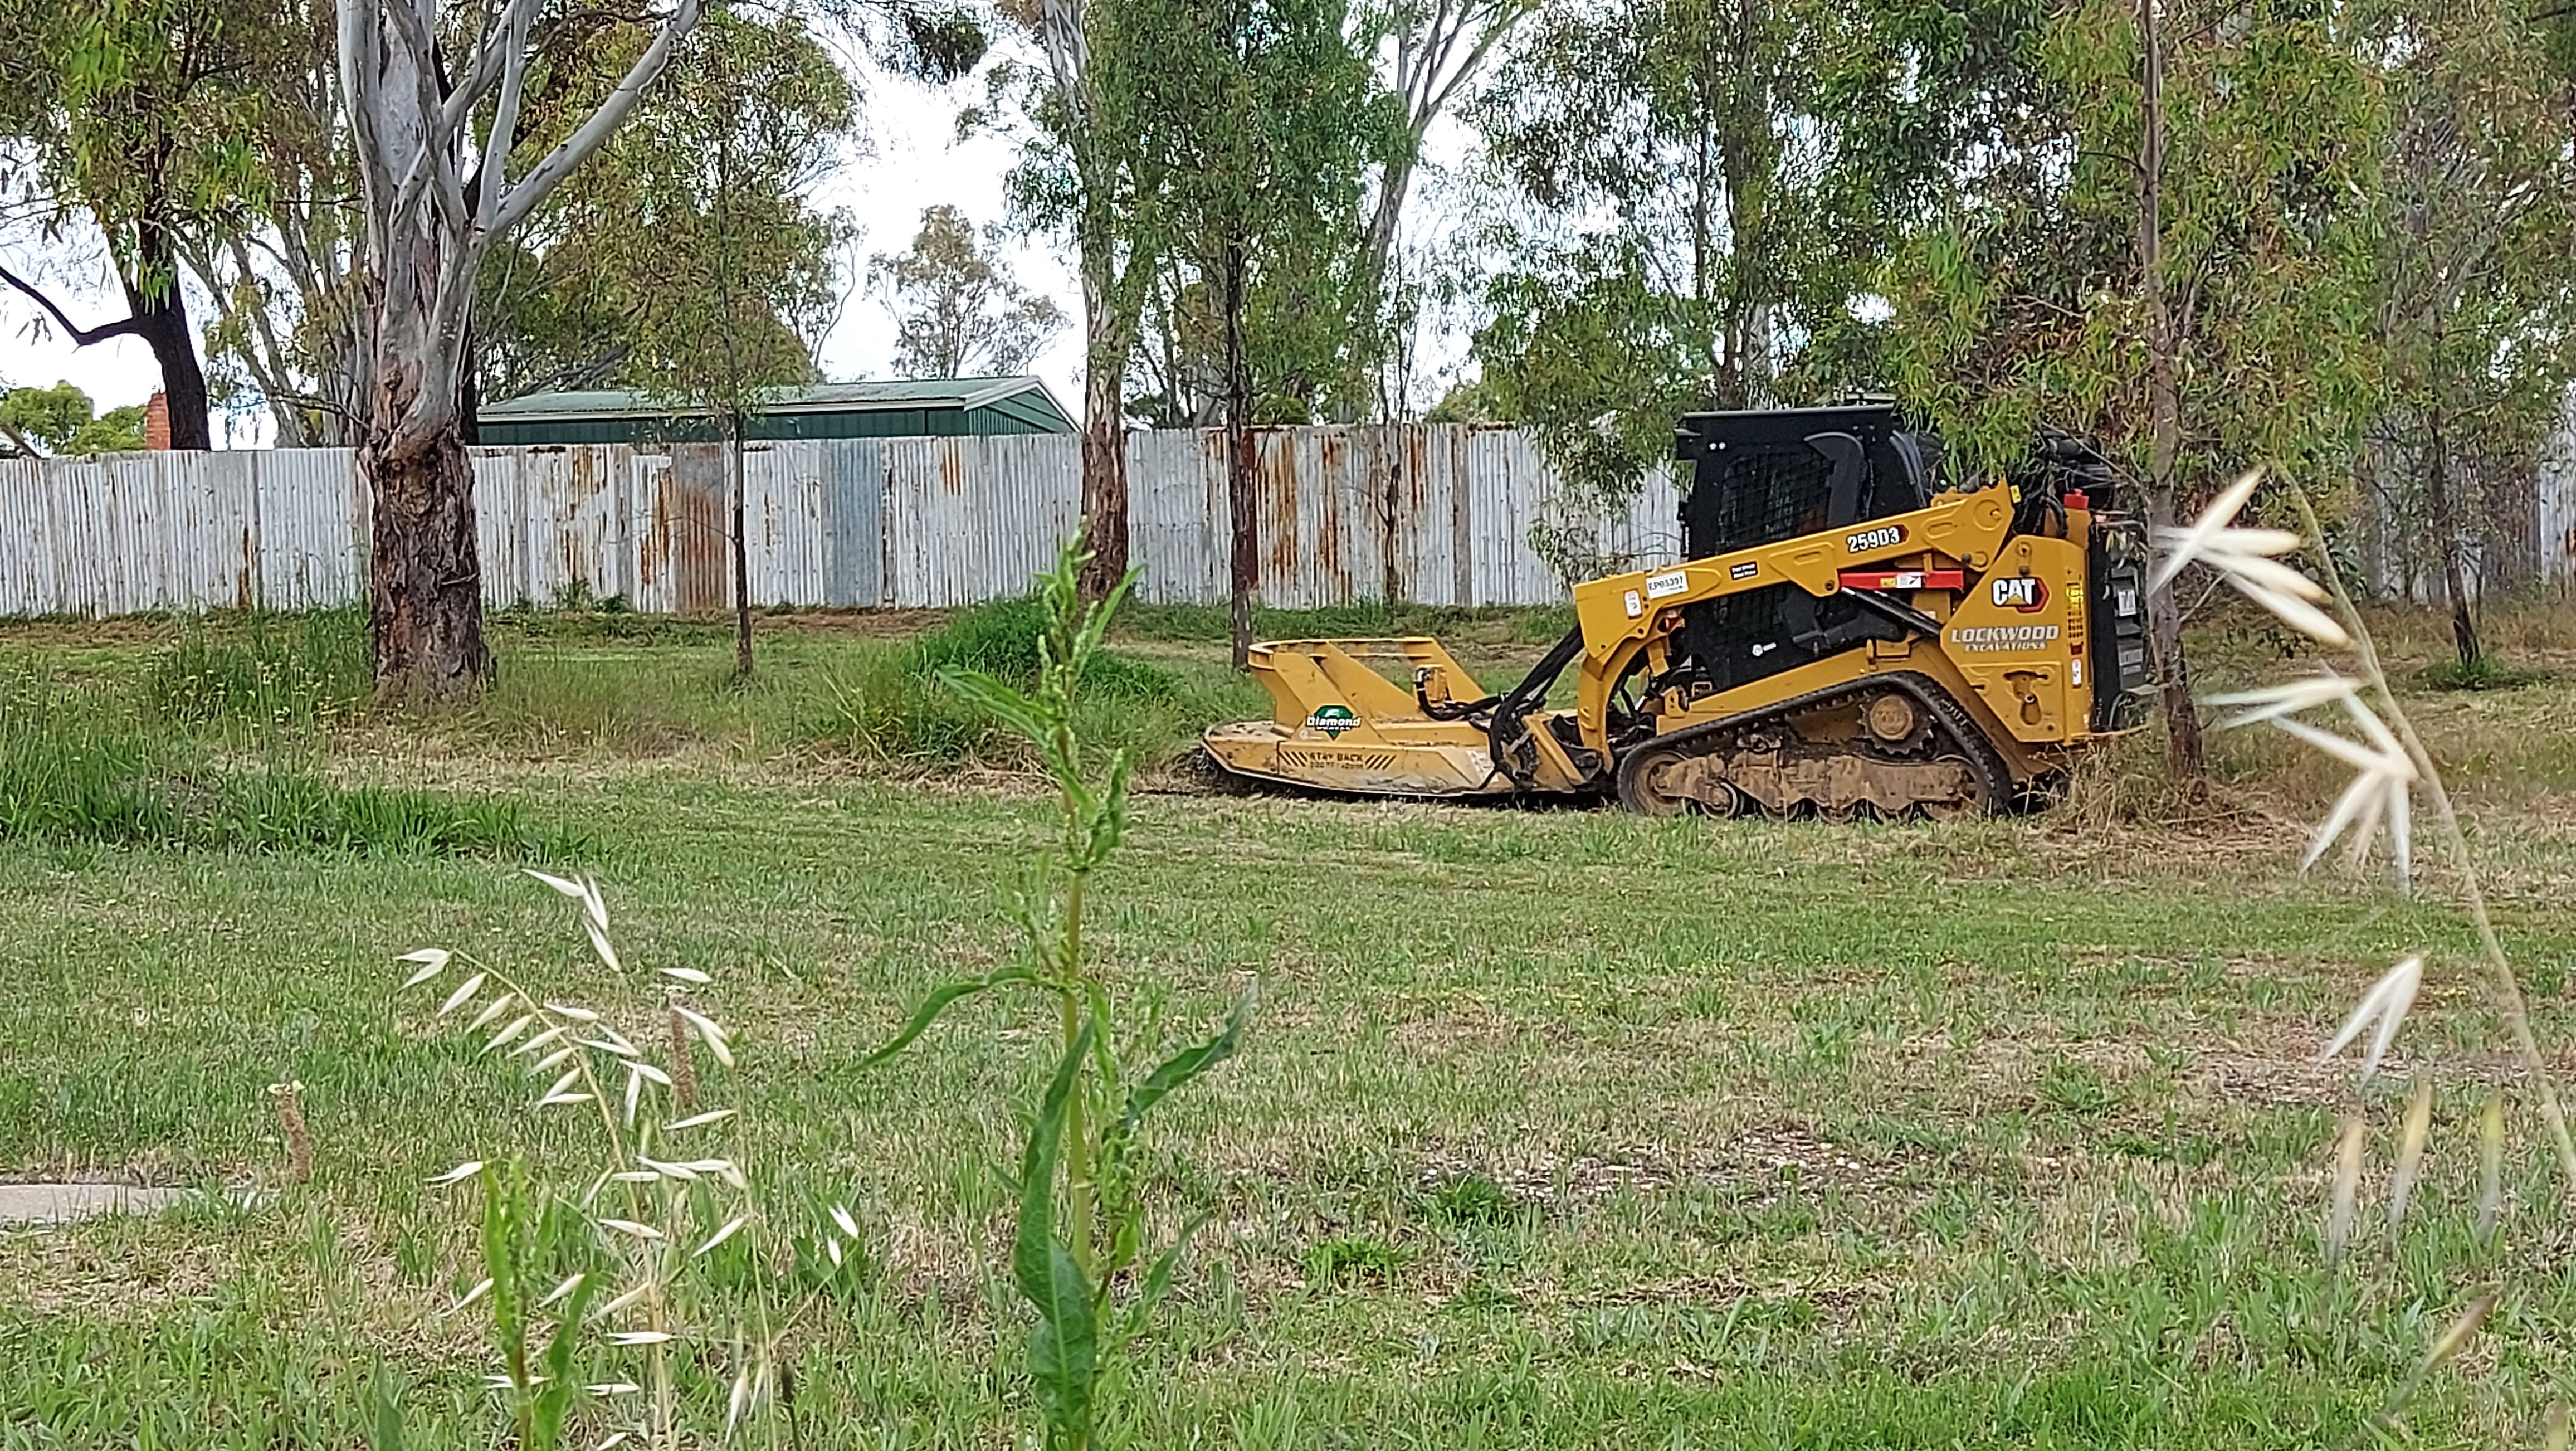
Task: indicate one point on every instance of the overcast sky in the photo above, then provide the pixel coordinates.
(909, 159)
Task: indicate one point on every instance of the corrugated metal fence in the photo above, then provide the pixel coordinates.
(1437, 514)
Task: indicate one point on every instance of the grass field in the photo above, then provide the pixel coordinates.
(1556, 1129)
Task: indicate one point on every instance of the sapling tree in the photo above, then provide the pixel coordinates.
(743, 260)
(1081, 1229)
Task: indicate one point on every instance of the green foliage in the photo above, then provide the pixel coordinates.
(137, 115)
(958, 313)
(1263, 119)
(2022, 308)
(1475, 1200)
(2476, 319)
(61, 420)
(1706, 192)
(2486, 672)
(682, 259)
(1081, 1223)
(529, 1247)
(898, 706)
(1008, 640)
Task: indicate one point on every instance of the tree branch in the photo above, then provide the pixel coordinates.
(505, 119)
(25, 448)
(436, 160)
(577, 148)
(80, 336)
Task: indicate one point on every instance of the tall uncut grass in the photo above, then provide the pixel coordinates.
(892, 706)
(80, 765)
(309, 670)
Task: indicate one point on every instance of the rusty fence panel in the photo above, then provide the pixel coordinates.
(1439, 514)
(310, 527)
(973, 519)
(554, 524)
(784, 523)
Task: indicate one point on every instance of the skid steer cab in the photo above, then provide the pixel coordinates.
(1849, 634)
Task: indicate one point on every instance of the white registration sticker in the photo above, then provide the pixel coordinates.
(1636, 606)
(1671, 582)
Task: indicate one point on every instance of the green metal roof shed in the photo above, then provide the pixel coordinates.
(899, 408)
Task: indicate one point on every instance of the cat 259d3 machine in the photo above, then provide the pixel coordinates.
(1849, 635)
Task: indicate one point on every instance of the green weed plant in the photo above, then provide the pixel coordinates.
(1080, 1232)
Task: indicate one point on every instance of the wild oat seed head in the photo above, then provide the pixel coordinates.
(464, 991)
(731, 1227)
(564, 885)
(600, 944)
(2386, 1004)
(2383, 791)
(432, 960)
(2272, 701)
(2245, 559)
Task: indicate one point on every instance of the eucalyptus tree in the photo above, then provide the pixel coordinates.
(1264, 119)
(2180, 264)
(134, 116)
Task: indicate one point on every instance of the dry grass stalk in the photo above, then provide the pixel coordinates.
(2410, 1157)
(2347, 1185)
(684, 1066)
(289, 1098)
(2390, 764)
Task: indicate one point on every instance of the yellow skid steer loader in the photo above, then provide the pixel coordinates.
(1847, 637)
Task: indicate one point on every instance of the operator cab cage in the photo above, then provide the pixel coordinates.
(1762, 476)
(1759, 477)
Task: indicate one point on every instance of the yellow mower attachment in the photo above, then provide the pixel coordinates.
(1340, 725)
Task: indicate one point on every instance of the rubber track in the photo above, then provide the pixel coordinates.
(1947, 715)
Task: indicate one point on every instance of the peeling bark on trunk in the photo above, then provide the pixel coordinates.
(1241, 498)
(424, 579)
(1104, 409)
(412, 117)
